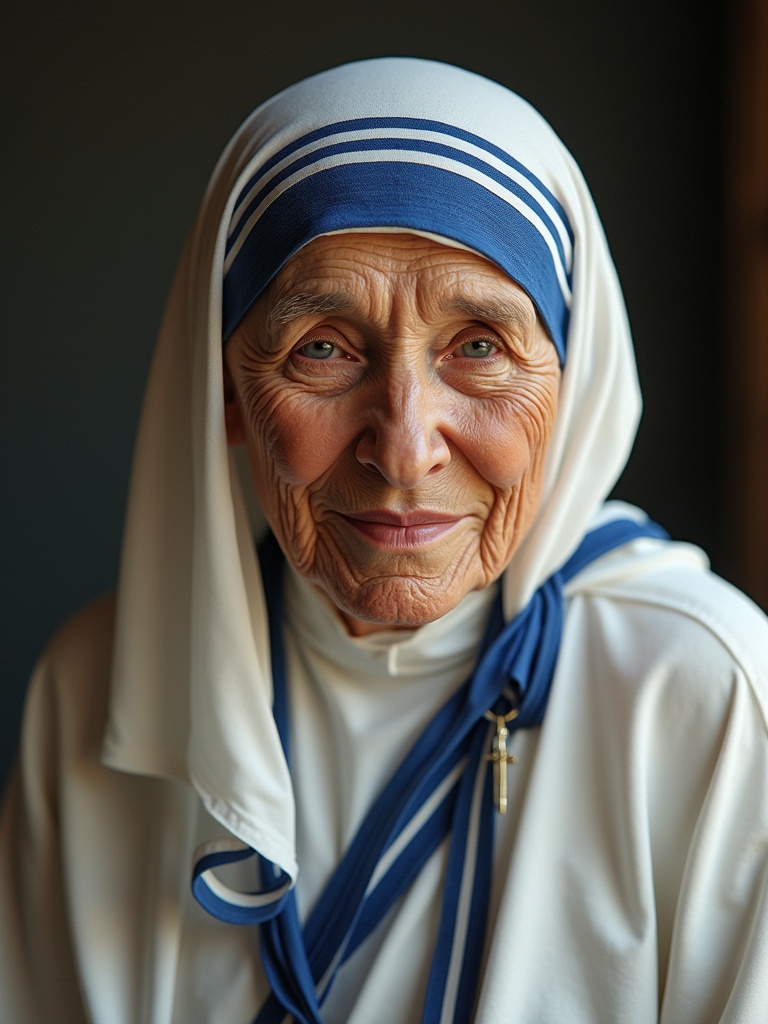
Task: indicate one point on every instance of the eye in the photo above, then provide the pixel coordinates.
(477, 348)
(477, 343)
(321, 348)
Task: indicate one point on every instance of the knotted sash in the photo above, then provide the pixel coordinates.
(442, 789)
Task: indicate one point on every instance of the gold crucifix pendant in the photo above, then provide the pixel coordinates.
(500, 757)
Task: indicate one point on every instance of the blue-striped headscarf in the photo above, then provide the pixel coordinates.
(343, 165)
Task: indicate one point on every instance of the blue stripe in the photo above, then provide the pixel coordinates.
(404, 195)
(478, 908)
(287, 970)
(416, 124)
(403, 871)
(231, 912)
(409, 146)
(461, 841)
(607, 537)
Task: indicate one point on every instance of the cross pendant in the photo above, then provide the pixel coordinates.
(500, 759)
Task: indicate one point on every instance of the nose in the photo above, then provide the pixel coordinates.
(402, 438)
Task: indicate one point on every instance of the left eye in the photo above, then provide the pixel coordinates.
(478, 348)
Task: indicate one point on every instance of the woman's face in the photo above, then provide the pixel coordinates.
(396, 397)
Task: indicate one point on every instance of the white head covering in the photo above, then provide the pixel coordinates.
(191, 690)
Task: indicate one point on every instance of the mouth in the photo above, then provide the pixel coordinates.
(401, 531)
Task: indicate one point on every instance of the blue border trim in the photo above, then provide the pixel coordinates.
(413, 123)
(407, 146)
(231, 912)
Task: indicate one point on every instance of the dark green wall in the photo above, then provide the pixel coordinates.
(113, 118)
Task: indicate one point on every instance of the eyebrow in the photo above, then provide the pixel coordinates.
(293, 307)
(499, 310)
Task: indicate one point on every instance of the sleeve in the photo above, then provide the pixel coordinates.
(675, 730)
(701, 727)
(717, 969)
(38, 977)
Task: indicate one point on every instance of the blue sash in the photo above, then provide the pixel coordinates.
(443, 788)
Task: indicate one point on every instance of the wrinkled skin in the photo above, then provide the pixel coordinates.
(396, 397)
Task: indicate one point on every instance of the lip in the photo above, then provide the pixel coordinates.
(401, 530)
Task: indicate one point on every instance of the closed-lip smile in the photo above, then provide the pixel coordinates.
(401, 530)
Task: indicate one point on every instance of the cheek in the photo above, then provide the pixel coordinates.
(507, 438)
(501, 456)
(295, 440)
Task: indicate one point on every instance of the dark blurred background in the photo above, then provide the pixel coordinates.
(114, 115)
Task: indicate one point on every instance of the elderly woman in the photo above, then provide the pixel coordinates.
(393, 718)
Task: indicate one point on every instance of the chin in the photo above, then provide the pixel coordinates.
(394, 603)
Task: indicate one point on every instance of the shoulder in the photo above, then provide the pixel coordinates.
(718, 619)
(661, 622)
(85, 637)
(68, 693)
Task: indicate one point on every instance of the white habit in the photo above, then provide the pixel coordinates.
(631, 871)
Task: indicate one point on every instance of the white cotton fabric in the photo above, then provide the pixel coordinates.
(631, 872)
(630, 875)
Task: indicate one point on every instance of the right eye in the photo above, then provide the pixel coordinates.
(321, 348)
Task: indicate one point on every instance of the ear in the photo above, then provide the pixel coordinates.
(233, 418)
